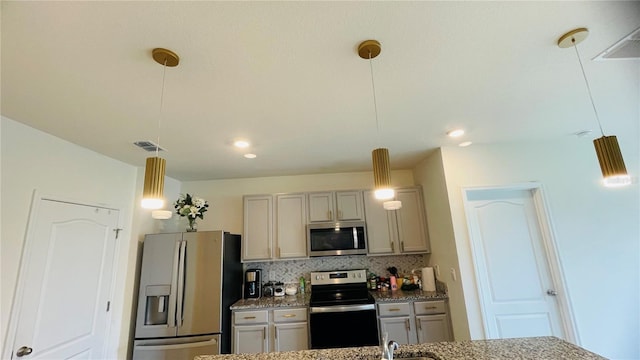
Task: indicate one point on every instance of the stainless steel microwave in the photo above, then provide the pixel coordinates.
(339, 238)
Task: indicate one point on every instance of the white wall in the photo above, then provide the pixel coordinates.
(596, 230)
(430, 174)
(225, 196)
(33, 160)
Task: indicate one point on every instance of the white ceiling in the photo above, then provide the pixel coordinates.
(286, 76)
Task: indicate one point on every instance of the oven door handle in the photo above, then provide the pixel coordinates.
(343, 308)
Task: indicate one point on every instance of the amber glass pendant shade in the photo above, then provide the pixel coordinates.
(614, 172)
(153, 191)
(381, 174)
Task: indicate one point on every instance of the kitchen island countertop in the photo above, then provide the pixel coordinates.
(538, 348)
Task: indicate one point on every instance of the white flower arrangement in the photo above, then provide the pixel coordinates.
(191, 207)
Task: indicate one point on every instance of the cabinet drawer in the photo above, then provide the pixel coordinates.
(290, 315)
(429, 307)
(394, 309)
(250, 317)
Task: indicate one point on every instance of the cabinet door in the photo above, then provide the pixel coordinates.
(250, 339)
(412, 227)
(398, 328)
(433, 328)
(349, 205)
(381, 235)
(321, 207)
(290, 337)
(291, 215)
(258, 227)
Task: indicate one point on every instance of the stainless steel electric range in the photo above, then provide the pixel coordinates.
(342, 313)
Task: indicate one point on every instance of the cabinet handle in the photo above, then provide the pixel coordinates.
(394, 309)
(393, 247)
(408, 324)
(339, 214)
(269, 252)
(430, 307)
(402, 246)
(275, 333)
(264, 334)
(419, 325)
(330, 215)
(289, 315)
(279, 251)
(249, 317)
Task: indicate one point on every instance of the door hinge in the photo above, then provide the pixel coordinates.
(108, 305)
(117, 232)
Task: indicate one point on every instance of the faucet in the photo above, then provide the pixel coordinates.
(387, 351)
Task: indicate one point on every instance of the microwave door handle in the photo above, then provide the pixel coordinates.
(174, 285)
(355, 238)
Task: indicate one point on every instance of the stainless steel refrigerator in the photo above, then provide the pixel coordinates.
(188, 281)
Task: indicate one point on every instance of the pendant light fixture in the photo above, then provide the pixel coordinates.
(614, 172)
(368, 50)
(153, 191)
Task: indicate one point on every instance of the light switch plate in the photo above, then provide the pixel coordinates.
(454, 277)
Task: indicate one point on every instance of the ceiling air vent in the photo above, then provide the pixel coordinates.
(627, 48)
(148, 145)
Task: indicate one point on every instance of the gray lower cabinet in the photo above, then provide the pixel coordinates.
(250, 331)
(432, 328)
(432, 321)
(415, 322)
(262, 331)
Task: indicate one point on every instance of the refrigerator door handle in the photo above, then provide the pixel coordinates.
(181, 271)
(213, 341)
(171, 315)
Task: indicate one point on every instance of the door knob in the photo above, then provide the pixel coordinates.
(552, 292)
(24, 351)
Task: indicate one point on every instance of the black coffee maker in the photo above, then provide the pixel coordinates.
(252, 283)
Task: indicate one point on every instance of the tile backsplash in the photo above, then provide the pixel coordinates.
(289, 271)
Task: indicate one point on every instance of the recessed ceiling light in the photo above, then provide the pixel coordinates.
(250, 156)
(241, 143)
(456, 133)
(464, 144)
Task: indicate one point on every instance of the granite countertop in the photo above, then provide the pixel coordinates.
(302, 300)
(413, 295)
(298, 300)
(537, 348)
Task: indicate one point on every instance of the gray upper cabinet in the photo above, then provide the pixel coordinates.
(274, 230)
(257, 239)
(275, 225)
(402, 231)
(335, 206)
(381, 226)
(291, 226)
(412, 224)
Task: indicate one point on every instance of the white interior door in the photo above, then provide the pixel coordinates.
(514, 278)
(65, 283)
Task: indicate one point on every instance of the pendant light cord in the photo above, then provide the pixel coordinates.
(164, 73)
(375, 102)
(584, 75)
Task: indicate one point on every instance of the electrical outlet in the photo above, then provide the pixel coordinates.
(454, 277)
(437, 269)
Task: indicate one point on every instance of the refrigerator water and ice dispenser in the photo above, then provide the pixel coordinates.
(157, 308)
